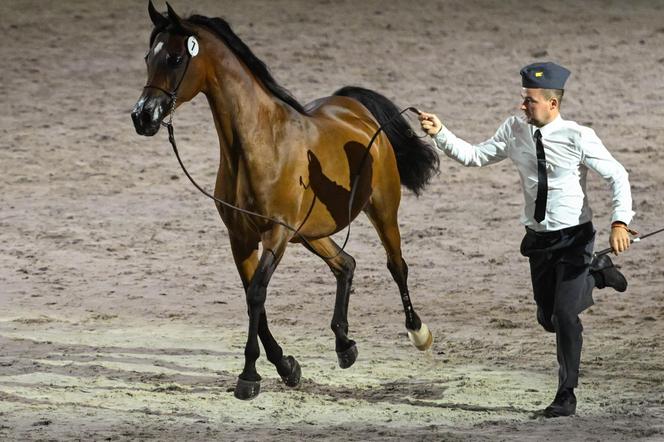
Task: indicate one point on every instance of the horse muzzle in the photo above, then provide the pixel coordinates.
(148, 114)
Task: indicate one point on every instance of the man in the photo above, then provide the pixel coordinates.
(553, 156)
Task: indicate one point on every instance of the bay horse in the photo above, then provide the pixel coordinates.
(292, 165)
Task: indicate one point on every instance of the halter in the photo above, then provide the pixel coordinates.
(296, 231)
(173, 95)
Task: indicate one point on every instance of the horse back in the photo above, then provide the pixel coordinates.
(344, 122)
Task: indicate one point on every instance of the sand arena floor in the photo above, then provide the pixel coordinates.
(122, 316)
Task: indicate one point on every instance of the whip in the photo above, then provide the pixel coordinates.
(637, 239)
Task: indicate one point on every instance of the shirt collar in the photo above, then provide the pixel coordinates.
(548, 128)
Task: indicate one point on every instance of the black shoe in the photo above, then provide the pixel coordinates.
(606, 274)
(563, 405)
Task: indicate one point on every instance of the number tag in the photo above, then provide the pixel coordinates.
(192, 46)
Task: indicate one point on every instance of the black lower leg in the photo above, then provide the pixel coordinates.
(400, 275)
(273, 351)
(287, 367)
(252, 350)
(256, 294)
(339, 325)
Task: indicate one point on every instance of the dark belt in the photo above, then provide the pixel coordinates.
(562, 233)
(548, 242)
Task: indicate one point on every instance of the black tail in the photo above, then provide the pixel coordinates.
(417, 160)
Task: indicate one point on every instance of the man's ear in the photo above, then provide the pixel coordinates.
(554, 103)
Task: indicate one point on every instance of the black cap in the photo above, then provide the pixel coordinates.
(544, 76)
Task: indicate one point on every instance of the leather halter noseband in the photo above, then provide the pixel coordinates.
(172, 95)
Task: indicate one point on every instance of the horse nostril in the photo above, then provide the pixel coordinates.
(148, 118)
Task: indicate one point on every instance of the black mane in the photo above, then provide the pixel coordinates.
(222, 29)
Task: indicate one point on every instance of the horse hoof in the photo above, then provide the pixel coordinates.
(347, 357)
(422, 338)
(292, 379)
(247, 390)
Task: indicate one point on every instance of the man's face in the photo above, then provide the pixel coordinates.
(539, 110)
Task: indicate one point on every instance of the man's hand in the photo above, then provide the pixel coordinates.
(430, 123)
(619, 239)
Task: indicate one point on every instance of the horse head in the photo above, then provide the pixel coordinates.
(175, 71)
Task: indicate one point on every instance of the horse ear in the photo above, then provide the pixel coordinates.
(158, 20)
(173, 17)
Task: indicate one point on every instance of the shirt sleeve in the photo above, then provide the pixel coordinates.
(596, 157)
(491, 151)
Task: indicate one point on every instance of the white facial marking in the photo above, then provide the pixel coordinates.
(155, 113)
(157, 47)
(192, 46)
(139, 104)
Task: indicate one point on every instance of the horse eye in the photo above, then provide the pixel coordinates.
(174, 60)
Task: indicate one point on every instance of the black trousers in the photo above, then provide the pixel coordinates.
(562, 287)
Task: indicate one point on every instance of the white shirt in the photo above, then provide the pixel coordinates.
(570, 150)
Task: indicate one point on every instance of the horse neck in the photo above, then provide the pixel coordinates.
(247, 117)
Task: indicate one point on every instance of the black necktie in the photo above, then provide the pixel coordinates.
(540, 202)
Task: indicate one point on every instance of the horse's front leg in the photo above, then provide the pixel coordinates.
(248, 385)
(287, 366)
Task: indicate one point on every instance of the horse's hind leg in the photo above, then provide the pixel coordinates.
(342, 266)
(384, 220)
(255, 276)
